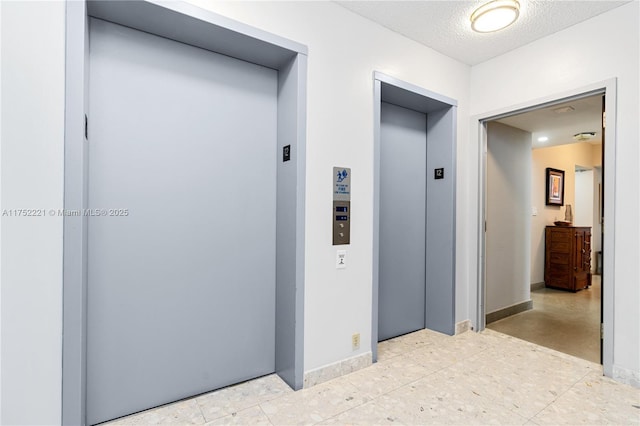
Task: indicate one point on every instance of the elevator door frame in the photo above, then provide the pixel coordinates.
(441, 142)
(191, 25)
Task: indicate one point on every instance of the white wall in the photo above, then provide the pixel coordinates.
(561, 157)
(344, 50)
(32, 178)
(508, 237)
(583, 209)
(609, 43)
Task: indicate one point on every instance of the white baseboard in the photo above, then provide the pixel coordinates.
(337, 369)
(624, 375)
(463, 326)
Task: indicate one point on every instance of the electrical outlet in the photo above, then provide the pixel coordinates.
(355, 341)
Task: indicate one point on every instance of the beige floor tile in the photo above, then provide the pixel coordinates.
(313, 405)
(573, 317)
(594, 400)
(387, 375)
(244, 395)
(524, 382)
(431, 401)
(517, 393)
(184, 412)
(421, 338)
(449, 352)
(433, 357)
(390, 349)
(407, 343)
(371, 413)
(427, 378)
(249, 416)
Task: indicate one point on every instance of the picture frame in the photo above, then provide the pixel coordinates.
(555, 187)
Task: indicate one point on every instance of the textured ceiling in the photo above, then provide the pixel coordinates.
(445, 26)
(560, 127)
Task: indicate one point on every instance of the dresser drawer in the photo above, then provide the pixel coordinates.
(567, 257)
(556, 259)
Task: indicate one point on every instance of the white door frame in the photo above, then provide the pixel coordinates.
(478, 127)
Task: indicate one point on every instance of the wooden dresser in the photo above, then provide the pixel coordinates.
(567, 262)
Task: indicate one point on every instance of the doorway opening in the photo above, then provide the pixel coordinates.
(414, 210)
(542, 268)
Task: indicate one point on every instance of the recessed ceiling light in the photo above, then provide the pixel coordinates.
(495, 15)
(543, 139)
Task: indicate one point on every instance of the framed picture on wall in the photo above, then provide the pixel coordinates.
(555, 187)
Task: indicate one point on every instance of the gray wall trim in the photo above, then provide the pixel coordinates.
(74, 227)
(478, 124)
(523, 109)
(291, 210)
(253, 46)
(509, 310)
(301, 191)
(441, 221)
(482, 229)
(413, 89)
(206, 29)
(408, 95)
(377, 99)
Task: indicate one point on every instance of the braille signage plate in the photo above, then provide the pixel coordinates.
(438, 173)
(341, 184)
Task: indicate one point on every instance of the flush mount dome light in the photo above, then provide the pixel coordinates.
(584, 136)
(495, 15)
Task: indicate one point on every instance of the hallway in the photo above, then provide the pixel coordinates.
(561, 320)
(426, 378)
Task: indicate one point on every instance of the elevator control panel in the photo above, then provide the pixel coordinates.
(341, 214)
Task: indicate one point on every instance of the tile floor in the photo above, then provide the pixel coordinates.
(426, 378)
(562, 320)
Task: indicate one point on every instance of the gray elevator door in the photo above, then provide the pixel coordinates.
(181, 286)
(403, 162)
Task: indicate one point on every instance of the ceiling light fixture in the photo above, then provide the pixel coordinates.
(543, 139)
(584, 136)
(562, 110)
(495, 15)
